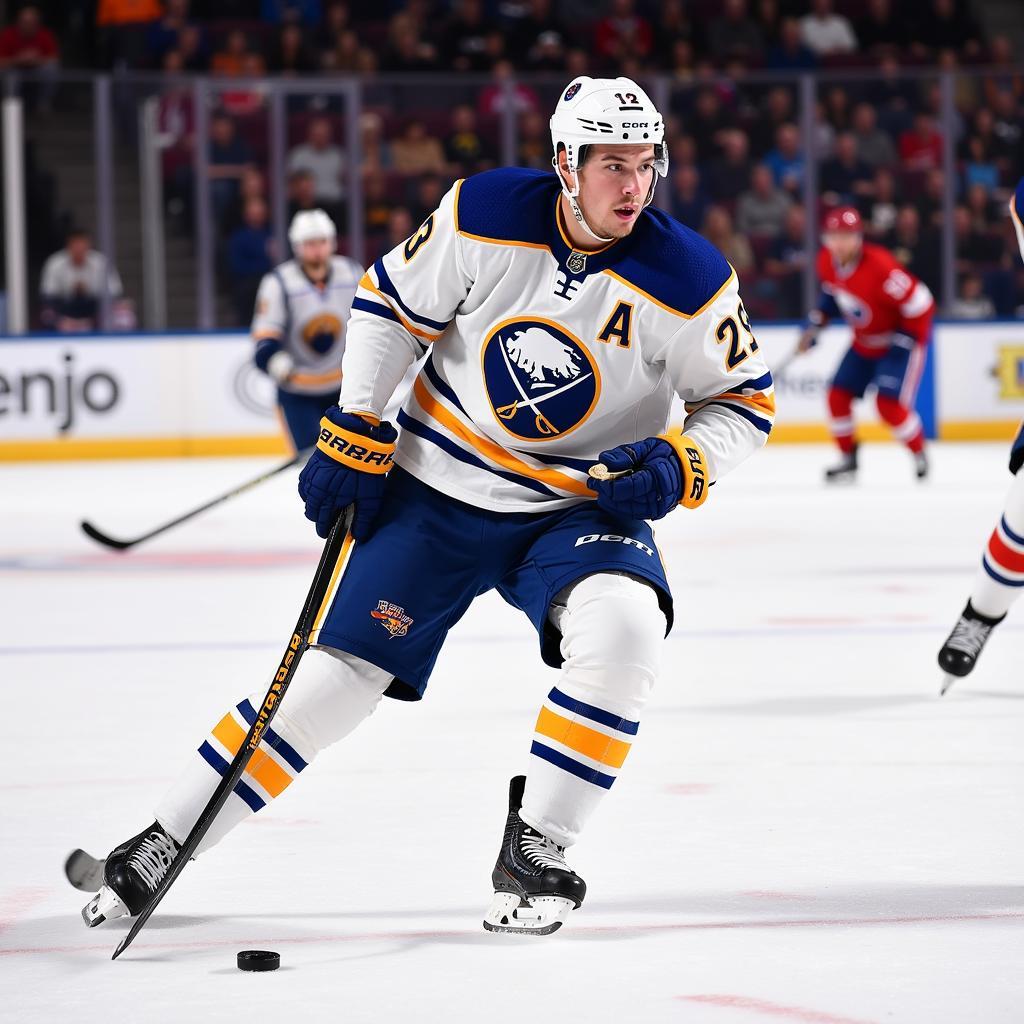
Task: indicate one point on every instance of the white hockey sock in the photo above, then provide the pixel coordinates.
(1000, 580)
(332, 692)
(612, 633)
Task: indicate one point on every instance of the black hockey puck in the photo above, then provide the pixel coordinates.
(258, 960)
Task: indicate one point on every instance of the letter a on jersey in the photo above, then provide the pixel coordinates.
(619, 327)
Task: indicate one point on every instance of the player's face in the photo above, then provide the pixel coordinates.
(614, 183)
(844, 245)
(315, 253)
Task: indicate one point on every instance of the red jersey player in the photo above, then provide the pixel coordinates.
(890, 312)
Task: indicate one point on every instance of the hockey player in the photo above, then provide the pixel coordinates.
(561, 315)
(1000, 579)
(890, 312)
(302, 309)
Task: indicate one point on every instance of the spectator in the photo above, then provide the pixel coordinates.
(289, 54)
(921, 147)
(252, 185)
(1004, 77)
(689, 201)
(729, 174)
(929, 198)
(879, 28)
(28, 45)
(427, 196)
(718, 230)
(192, 47)
(493, 98)
(377, 206)
(786, 160)
(786, 263)
(708, 122)
(230, 60)
(734, 33)
(768, 18)
(374, 147)
(249, 257)
(917, 248)
(672, 28)
(400, 227)
(526, 32)
(775, 110)
(791, 53)
(162, 36)
(836, 108)
(762, 210)
(407, 50)
(72, 285)
(228, 158)
(622, 33)
(1008, 127)
(416, 152)
(464, 148)
(882, 205)
(465, 36)
(845, 178)
(534, 142)
(945, 24)
(979, 166)
(984, 146)
(981, 208)
(826, 32)
(323, 159)
(301, 193)
(244, 101)
(119, 27)
(345, 56)
(874, 146)
(972, 303)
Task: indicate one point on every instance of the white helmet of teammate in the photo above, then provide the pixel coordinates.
(308, 225)
(608, 110)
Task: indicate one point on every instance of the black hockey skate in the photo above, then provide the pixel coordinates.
(130, 875)
(534, 889)
(963, 646)
(845, 470)
(921, 465)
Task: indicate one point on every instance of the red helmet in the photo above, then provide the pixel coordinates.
(843, 218)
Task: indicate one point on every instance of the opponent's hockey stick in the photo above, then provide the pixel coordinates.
(123, 545)
(336, 541)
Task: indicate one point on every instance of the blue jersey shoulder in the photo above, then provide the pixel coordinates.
(510, 204)
(673, 264)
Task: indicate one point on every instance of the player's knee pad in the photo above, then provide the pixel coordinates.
(890, 409)
(613, 631)
(332, 692)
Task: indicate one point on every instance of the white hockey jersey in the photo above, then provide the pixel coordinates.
(541, 357)
(308, 320)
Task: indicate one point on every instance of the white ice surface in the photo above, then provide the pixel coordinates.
(803, 832)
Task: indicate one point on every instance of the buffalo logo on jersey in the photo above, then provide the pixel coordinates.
(540, 379)
(392, 617)
(321, 332)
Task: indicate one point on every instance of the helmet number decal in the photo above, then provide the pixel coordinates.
(627, 97)
(417, 241)
(739, 349)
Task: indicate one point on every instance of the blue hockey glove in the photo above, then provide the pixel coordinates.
(349, 465)
(663, 472)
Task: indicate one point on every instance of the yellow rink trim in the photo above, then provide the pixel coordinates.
(267, 772)
(979, 430)
(141, 447)
(816, 433)
(589, 742)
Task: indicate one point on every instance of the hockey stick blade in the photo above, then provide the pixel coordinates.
(123, 545)
(334, 548)
(84, 871)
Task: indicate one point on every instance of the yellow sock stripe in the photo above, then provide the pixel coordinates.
(695, 469)
(494, 451)
(266, 771)
(589, 742)
(355, 450)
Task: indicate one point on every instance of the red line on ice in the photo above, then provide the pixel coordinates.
(17, 903)
(773, 1009)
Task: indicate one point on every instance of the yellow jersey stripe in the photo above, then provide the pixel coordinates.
(584, 740)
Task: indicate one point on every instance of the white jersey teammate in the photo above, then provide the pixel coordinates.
(561, 315)
(299, 324)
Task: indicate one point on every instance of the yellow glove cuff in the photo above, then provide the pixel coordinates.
(695, 469)
(357, 451)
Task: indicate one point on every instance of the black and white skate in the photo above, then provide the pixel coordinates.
(921, 465)
(534, 888)
(130, 875)
(845, 470)
(960, 652)
(84, 871)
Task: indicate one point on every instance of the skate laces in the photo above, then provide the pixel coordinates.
(541, 851)
(969, 636)
(153, 856)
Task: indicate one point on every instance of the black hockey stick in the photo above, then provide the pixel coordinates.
(123, 545)
(318, 589)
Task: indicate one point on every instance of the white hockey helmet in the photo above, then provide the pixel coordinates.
(608, 110)
(308, 225)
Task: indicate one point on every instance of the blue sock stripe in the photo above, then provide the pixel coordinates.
(997, 577)
(1016, 538)
(577, 707)
(220, 766)
(573, 767)
(273, 739)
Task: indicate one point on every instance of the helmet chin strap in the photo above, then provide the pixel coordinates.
(571, 195)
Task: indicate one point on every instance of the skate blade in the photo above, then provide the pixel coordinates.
(106, 905)
(947, 682)
(842, 479)
(84, 871)
(542, 915)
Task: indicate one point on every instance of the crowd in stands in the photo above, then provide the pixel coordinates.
(735, 122)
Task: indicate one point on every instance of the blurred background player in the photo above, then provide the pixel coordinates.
(302, 311)
(890, 312)
(1000, 578)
